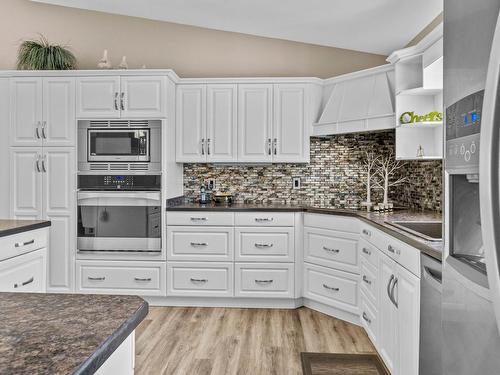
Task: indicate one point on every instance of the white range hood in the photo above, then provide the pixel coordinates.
(358, 102)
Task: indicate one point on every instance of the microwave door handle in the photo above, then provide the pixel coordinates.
(489, 183)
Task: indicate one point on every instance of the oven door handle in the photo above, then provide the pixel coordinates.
(119, 198)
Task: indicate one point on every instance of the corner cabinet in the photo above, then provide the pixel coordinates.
(121, 97)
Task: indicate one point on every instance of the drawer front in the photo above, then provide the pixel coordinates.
(369, 318)
(369, 284)
(200, 279)
(264, 280)
(265, 244)
(368, 252)
(335, 288)
(332, 222)
(22, 243)
(330, 248)
(200, 218)
(143, 278)
(189, 243)
(24, 273)
(264, 219)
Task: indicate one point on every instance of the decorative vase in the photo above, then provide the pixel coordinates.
(123, 63)
(104, 62)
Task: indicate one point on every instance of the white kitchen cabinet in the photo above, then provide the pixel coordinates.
(263, 280)
(255, 123)
(26, 111)
(24, 273)
(121, 97)
(25, 182)
(191, 123)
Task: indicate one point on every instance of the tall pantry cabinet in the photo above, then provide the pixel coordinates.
(42, 175)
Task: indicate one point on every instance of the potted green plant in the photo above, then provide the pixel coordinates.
(42, 55)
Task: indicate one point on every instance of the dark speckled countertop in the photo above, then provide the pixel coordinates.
(9, 227)
(431, 248)
(63, 333)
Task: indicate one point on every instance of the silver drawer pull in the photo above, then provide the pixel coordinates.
(393, 250)
(261, 219)
(102, 278)
(264, 281)
(24, 283)
(366, 280)
(366, 251)
(198, 219)
(366, 232)
(331, 250)
(142, 278)
(20, 244)
(199, 244)
(331, 288)
(198, 280)
(365, 317)
(263, 245)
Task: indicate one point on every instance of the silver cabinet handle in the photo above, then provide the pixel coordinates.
(264, 281)
(203, 146)
(38, 163)
(366, 280)
(116, 101)
(102, 278)
(331, 250)
(122, 105)
(269, 146)
(37, 130)
(199, 244)
(267, 245)
(208, 146)
(366, 251)
(21, 244)
(261, 219)
(142, 278)
(198, 219)
(393, 299)
(366, 232)
(331, 288)
(365, 317)
(44, 159)
(275, 146)
(44, 125)
(24, 283)
(389, 287)
(198, 280)
(391, 249)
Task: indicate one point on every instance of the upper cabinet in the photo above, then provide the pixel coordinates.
(245, 123)
(121, 97)
(358, 102)
(42, 111)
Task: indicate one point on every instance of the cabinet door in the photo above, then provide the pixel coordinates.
(24, 273)
(59, 120)
(255, 114)
(387, 338)
(407, 295)
(191, 123)
(143, 97)
(290, 132)
(59, 197)
(221, 123)
(98, 97)
(26, 111)
(25, 182)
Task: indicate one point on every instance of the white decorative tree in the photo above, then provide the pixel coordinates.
(387, 166)
(369, 162)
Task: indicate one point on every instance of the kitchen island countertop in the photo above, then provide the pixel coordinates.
(11, 226)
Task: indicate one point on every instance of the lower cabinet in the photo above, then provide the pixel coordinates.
(264, 280)
(24, 273)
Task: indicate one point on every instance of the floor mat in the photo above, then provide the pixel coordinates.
(342, 364)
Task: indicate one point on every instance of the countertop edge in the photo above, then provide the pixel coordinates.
(108, 347)
(25, 228)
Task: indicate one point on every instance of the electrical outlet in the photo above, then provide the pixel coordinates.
(296, 182)
(211, 184)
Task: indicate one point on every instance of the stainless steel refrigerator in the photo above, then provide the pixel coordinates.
(471, 284)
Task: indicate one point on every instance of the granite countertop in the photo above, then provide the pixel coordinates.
(9, 227)
(431, 248)
(63, 333)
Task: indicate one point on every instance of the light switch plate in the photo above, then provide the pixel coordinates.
(296, 182)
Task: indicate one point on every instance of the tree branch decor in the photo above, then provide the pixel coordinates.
(387, 166)
(369, 163)
(41, 55)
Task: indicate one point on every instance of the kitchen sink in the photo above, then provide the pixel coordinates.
(429, 230)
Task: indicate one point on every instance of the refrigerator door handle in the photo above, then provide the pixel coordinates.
(488, 173)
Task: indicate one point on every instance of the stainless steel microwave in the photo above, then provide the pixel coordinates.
(117, 145)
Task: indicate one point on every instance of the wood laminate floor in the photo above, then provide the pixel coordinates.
(217, 341)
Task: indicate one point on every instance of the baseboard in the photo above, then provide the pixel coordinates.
(332, 311)
(253, 303)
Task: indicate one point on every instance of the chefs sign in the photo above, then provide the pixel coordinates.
(412, 117)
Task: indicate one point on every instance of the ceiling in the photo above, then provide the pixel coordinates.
(377, 26)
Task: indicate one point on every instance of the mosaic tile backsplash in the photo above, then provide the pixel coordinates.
(334, 177)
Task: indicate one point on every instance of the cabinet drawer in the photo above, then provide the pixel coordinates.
(267, 219)
(368, 252)
(22, 243)
(330, 248)
(24, 273)
(369, 284)
(200, 218)
(143, 278)
(331, 287)
(209, 243)
(200, 279)
(265, 244)
(332, 222)
(369, 318)
(264, 280)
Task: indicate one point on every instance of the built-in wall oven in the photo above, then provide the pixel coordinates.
(119, 213)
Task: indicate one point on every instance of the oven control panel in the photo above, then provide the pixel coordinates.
(119, 182)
